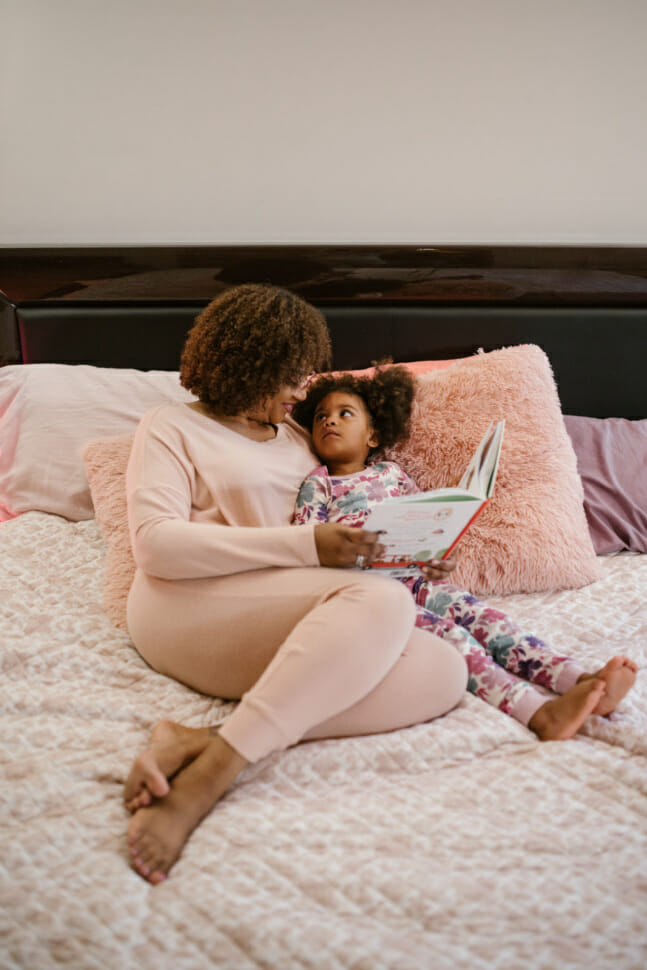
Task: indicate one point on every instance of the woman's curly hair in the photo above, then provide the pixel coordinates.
(387, 395)
(248, 343)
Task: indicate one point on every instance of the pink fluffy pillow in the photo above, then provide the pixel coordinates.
(415, 367)
(105, 462)
(533, 535)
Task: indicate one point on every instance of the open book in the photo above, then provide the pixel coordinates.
(428, 525)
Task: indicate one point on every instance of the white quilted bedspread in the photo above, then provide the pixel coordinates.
(465, 843)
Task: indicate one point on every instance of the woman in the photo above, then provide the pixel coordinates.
(233, 600)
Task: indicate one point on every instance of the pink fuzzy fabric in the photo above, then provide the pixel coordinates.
(533, 535)
(105, 462)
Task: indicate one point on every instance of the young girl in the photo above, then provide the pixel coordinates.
(352, 419)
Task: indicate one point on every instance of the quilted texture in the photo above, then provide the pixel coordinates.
(533, 535)
(464, 844)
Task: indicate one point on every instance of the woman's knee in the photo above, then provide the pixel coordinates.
(452, 671)
(391, 605)
(439, 674)
(373, 617)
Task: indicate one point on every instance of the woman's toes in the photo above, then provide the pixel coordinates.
(147, 855)
(142, 868)
(139, 801)
(142, 863)
(145, 781)
(136, 835)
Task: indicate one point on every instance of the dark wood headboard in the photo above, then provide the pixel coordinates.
(132, 306)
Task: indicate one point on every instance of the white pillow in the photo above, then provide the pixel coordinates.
(49, 412)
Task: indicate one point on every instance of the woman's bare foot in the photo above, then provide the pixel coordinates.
(157, 834)
(561, 718)
(619, 675)
(171, 747)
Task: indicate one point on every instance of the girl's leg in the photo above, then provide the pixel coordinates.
(520, 653)
(550, 720)
(486, 678)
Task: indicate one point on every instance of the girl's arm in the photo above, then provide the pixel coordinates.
(313, 498)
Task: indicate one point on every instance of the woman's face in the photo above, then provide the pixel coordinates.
(274, 409)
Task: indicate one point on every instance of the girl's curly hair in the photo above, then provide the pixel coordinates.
(387, 395)
(248, 343)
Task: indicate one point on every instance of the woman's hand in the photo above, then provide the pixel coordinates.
(437, 569)
(342, 545)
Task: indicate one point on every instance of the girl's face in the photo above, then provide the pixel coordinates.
(342, 433)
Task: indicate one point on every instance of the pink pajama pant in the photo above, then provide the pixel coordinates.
(501, 658)
(312, 652)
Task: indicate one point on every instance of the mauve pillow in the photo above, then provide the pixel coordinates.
(533, 535)
(612, 462)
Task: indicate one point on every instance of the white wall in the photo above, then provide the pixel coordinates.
(329, 121)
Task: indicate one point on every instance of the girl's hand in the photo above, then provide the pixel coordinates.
(342, 545)
(437, 569)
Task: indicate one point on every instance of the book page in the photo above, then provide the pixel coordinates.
(420, 527)
(480, 474)
(417, 528)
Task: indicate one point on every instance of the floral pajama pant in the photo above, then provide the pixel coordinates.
(500, 657)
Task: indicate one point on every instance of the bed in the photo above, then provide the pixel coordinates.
(463, 843)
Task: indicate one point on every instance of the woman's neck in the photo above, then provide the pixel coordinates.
(246, 424)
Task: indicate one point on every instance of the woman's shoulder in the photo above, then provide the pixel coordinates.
(174, 414)
(173, 422)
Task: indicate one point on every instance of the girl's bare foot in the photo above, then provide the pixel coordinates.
(562, 718)
(157, 834)
(171, 747)
(619, 675)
